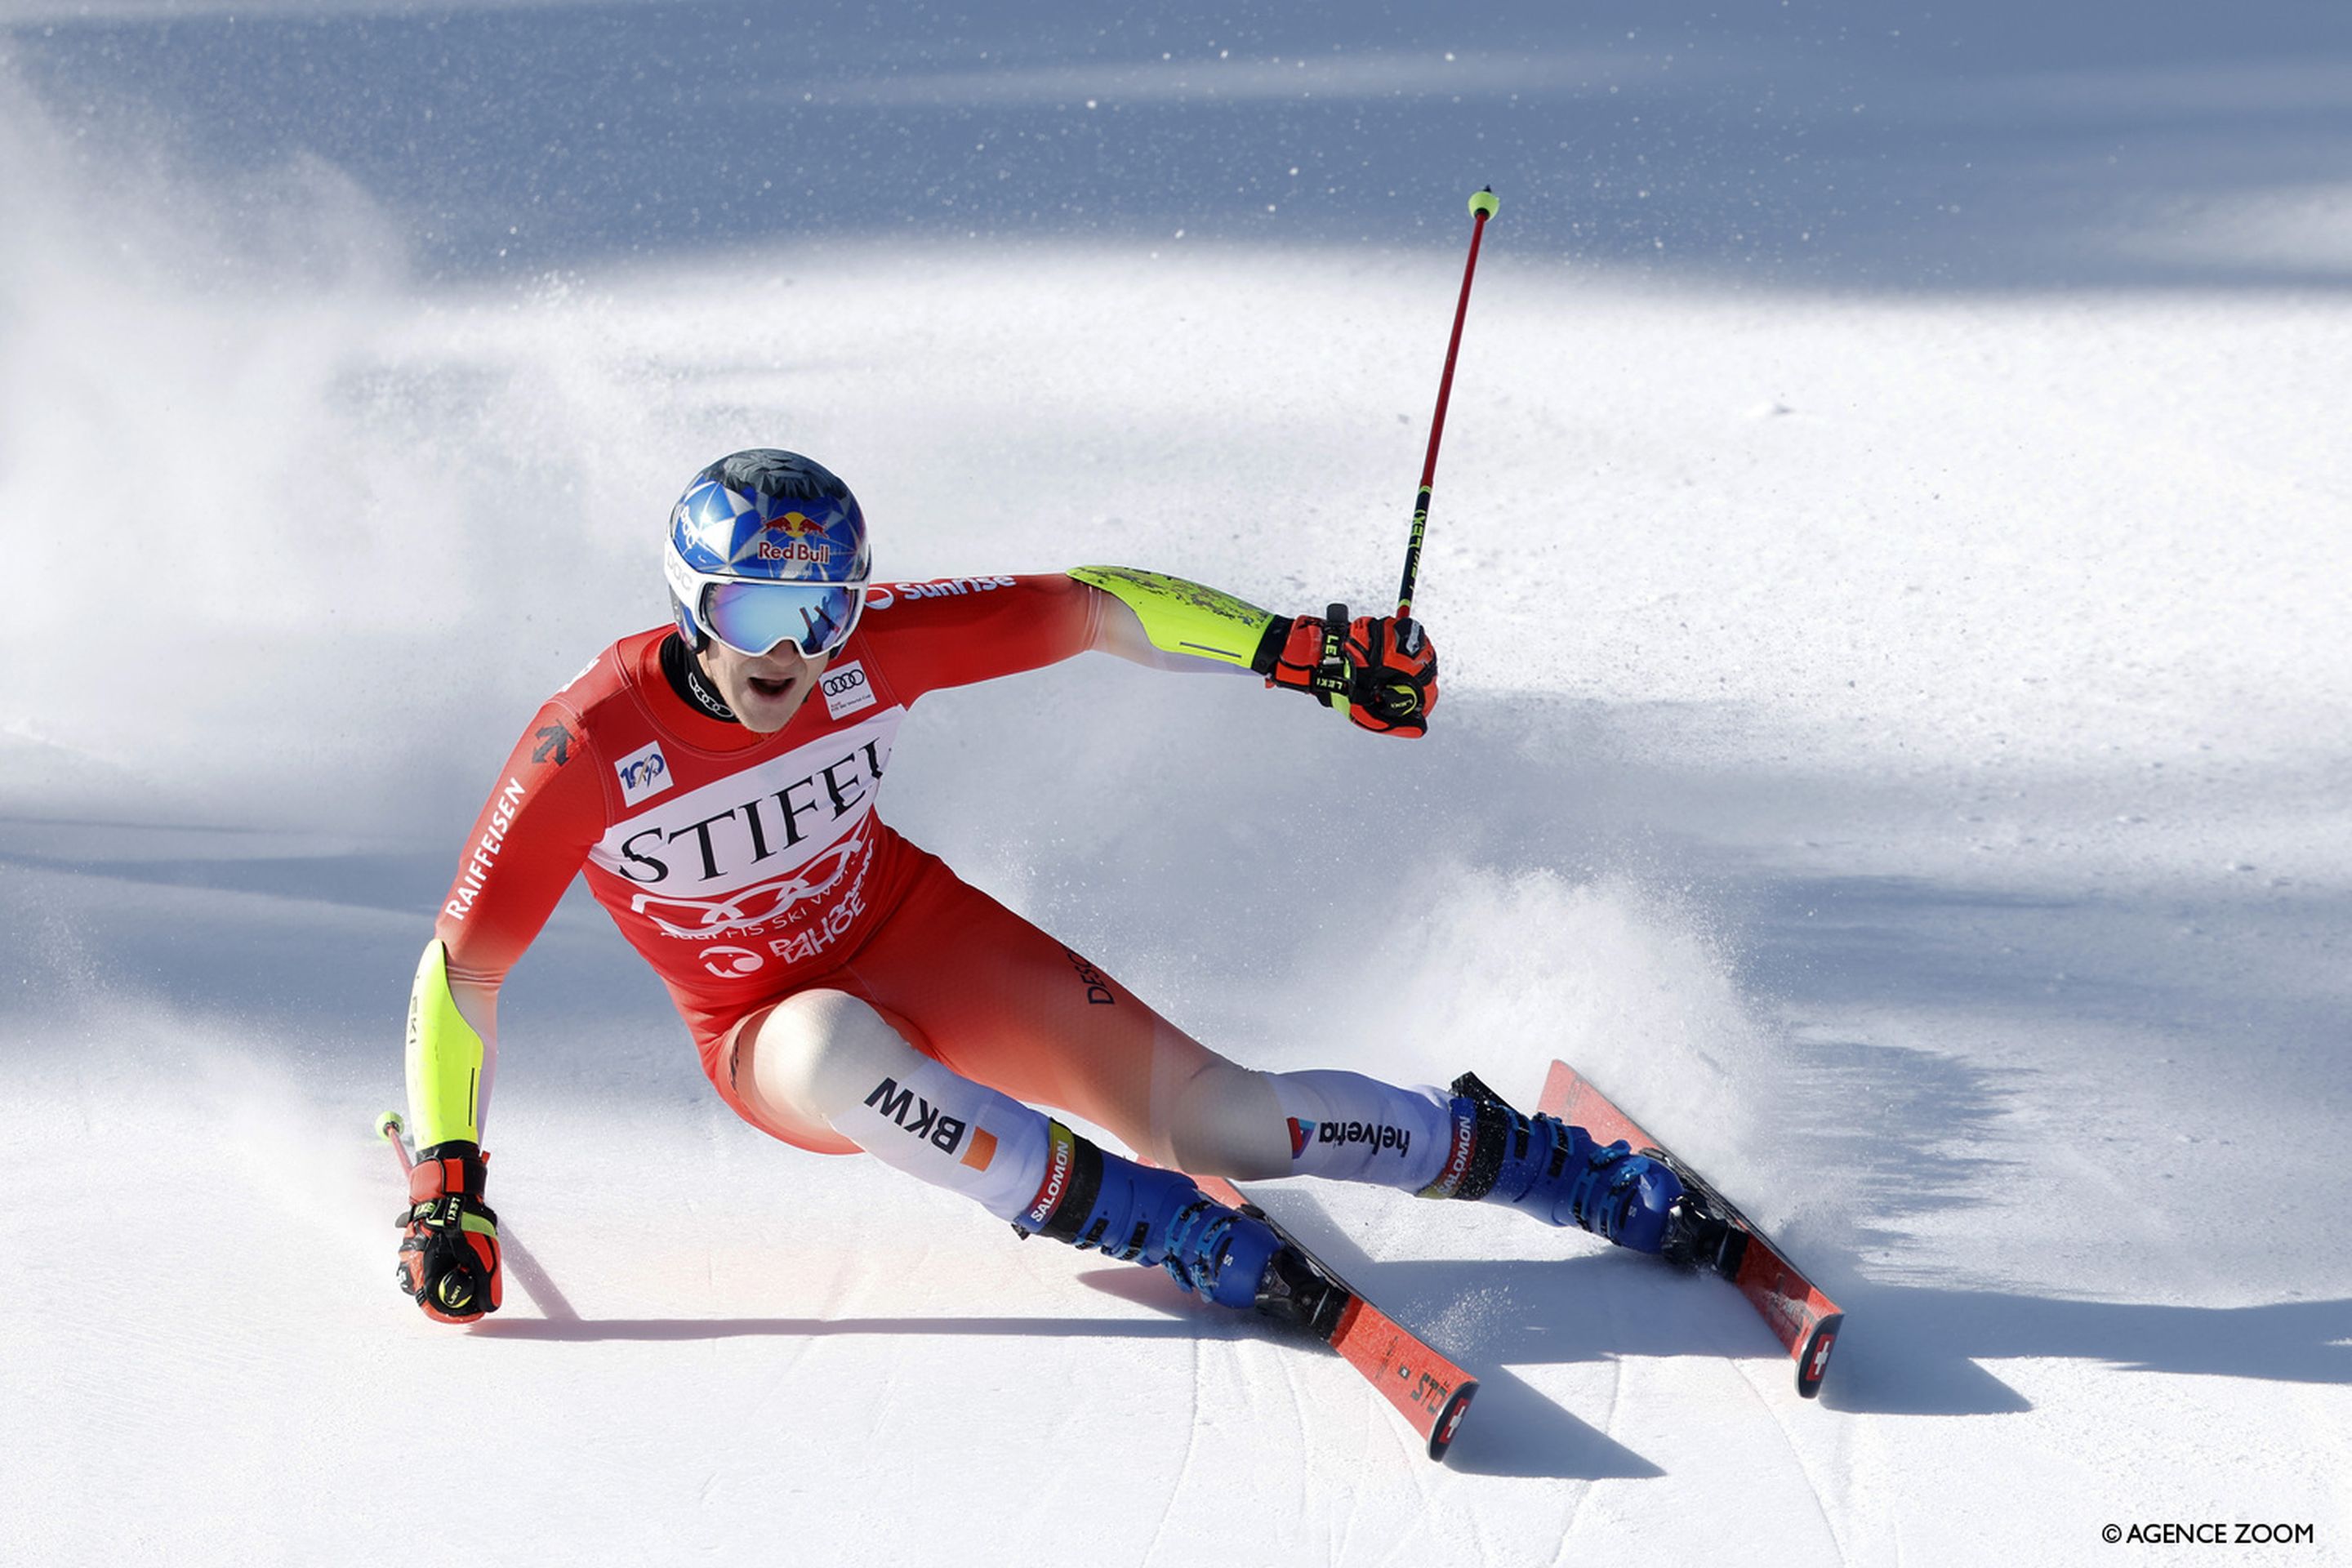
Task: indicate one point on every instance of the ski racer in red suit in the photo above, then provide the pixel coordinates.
(715, 780)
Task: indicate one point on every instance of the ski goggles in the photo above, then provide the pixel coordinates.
(756, 615)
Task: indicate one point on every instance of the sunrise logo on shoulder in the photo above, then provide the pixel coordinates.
(882, 596)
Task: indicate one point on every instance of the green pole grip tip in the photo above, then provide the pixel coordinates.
(388, 1124)
(1484, 203)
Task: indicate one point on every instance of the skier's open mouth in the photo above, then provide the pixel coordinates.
(770, 688)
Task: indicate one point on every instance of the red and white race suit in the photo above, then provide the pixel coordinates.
(746, 868)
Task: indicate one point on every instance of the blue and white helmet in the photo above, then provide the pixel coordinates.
(767, 547)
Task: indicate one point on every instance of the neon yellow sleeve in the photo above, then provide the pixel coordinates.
(445, 1059)
(1184, 617)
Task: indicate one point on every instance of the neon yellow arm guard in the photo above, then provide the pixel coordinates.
(1185, 617)
(445, 1058)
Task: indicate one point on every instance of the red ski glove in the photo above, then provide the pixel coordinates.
(449, 1238)
(1384, 682)
(1392, 665)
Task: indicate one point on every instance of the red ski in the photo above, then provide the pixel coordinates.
(1428, 1390)
(1804, 1319)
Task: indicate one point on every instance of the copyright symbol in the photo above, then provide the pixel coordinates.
(2111, 1534)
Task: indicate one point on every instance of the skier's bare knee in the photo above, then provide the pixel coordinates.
(1226, 1121)
(827, 1070)
(814, 1056)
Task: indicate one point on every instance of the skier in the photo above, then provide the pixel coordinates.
(715, 782)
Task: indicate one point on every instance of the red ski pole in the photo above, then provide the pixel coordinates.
(1482, 207)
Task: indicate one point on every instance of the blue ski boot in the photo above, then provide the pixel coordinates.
(1555, 1172)
(1141, 1214)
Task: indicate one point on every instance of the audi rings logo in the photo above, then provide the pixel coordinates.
(846, 689)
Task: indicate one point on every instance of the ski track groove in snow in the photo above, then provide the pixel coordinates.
(1401, 1542)
(1348, 1519)
(1608, 1428)
(1773, 1412)
(1478, 1531)
(1191, 1444)
(1292, 1369)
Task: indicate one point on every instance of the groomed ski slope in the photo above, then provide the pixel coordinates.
(1891, 739)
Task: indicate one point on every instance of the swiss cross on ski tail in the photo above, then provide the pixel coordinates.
(1711, 1233)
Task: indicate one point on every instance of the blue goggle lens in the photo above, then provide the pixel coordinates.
(754, 618)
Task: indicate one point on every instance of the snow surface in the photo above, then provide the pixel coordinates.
(1889, 563)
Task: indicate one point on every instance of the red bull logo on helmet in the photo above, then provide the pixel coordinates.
(797, 545)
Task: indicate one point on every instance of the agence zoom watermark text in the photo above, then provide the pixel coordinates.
(2207, 1533)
